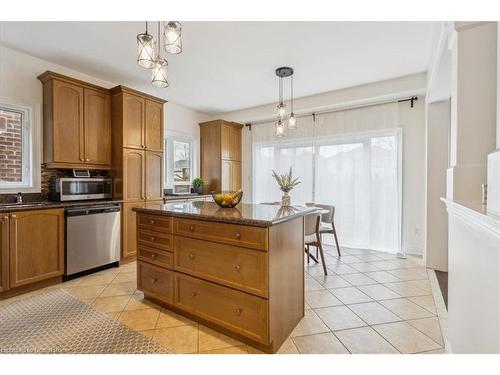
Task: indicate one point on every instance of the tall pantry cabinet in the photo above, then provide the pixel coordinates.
(137, 153)
(220, 149)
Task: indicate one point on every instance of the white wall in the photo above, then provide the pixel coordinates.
(412, 120)
(18, 83)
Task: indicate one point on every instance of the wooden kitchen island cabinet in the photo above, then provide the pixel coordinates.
(238, 270)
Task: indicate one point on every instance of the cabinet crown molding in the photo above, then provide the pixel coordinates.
(124, 89)
(48, 75)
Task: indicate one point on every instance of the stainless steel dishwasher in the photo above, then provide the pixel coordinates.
(92, 238)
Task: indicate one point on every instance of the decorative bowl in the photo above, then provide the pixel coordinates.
(227, 199)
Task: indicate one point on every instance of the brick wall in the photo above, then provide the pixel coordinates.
(10, 146)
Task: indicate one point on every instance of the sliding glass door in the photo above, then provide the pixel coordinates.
(358, 173)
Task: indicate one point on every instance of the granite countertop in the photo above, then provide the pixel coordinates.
(172, 197)
(259, 215)
(45, 205)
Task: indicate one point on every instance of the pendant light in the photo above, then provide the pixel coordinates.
(172, 37)
(280, 128)
(283, 121)
(292, 120)
(146, 49)
(159, 73)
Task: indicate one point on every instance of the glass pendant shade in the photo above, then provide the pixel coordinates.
(172, 37)
(280, 129)
(292, 121)
(281, 111)
(159, 73)
(146, 50)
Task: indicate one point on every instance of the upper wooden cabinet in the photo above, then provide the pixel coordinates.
(220, 147)
(139, 118)
(36, 246)
(77, 123)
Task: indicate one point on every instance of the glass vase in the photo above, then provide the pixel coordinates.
(285, 199)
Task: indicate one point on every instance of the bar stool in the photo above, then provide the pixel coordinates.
(312, 224)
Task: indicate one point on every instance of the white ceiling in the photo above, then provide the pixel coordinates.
(227, 66)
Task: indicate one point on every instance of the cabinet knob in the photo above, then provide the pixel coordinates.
(193, 294)
(154, 280)
(238, 311)
(82, 159)
(153, 239)
(191, 228)
(147, 197)
(6, 218)
(87, 159)
(151, 222)
(237, 235)
(143, 197)
(237, 268)
(14, 216)
(145, 146)
(153, 256)
(192, 256)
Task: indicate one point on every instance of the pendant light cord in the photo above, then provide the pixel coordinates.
(291, 94)
(158, 49)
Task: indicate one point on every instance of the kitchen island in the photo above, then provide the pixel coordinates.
(237, 270)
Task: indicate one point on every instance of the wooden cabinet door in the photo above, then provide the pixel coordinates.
(97, 126)
(4, 252)
(129, 229)
(225, 141)
(36, 246)
(227, 175)
(133, 175)
(235, 144)
(154, 126)
(236, 175)
(67, 137)
(154, 175)
(133, 121)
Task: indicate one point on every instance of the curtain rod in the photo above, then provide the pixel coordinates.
(411, 99)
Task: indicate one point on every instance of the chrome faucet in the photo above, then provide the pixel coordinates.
(19, 198)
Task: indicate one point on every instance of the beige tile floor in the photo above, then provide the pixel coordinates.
(370, 302)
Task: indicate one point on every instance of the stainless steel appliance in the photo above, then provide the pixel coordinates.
(92, 238)
(81, 188)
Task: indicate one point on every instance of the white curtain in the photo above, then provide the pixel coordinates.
(350, 159)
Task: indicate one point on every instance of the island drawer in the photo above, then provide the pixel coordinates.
(155, 223)
(237, 267)
(156, 281)
(155, 256)
(232, 234)
(156, 240)
(237, 311)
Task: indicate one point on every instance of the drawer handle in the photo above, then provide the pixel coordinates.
(192, 256)
(153, 239)
(193, 294)
(238, 311)
(237, 235)
(151, 222)
(154, 280)
(153, 256)
(237, 268)
(6, 218)
(191, 228)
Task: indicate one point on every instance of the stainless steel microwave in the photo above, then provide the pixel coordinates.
(76, 189)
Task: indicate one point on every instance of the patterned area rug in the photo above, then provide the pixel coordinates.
(56, 322)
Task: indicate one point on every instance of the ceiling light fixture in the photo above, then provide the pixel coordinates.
(284, 120)
(150, 57)
(146, 49)
(159, 74)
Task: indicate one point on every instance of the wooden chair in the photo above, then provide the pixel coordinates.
(327, 222)
(313, 237)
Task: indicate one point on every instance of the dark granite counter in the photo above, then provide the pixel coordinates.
(173, 197)
(45, 205)
(259, 215)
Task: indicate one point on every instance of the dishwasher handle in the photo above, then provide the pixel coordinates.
(82, 211)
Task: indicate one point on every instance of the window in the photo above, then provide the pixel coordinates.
(16, 157)
(179, 160)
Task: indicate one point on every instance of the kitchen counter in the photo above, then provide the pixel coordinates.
(43, 205)
(259, 215)
(173, 197)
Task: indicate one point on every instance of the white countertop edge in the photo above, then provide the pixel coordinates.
(475, 214)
